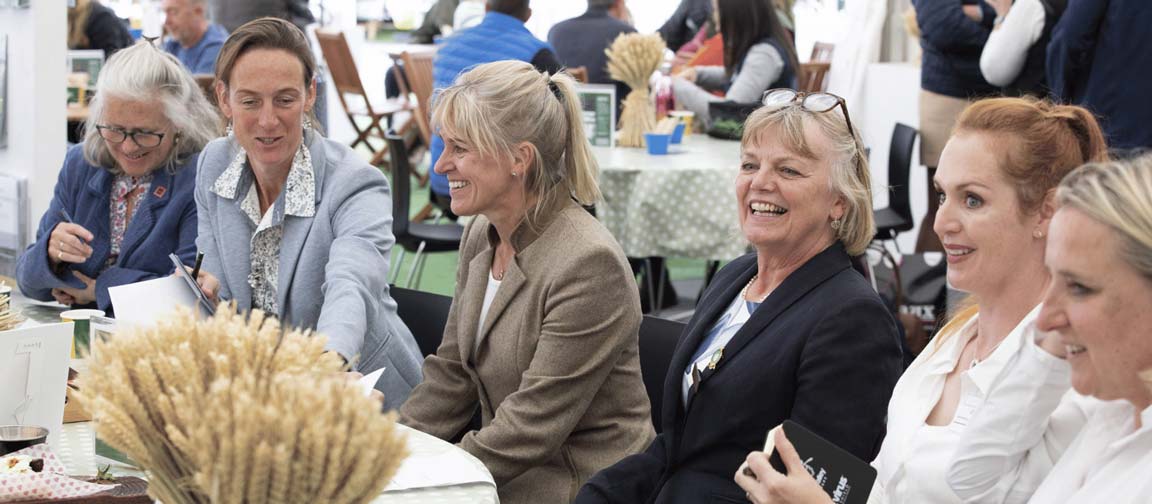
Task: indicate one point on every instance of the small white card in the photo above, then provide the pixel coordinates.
(33, 376)
(149, 301)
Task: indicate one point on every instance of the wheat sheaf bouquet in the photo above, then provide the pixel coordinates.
(231, 409)
(632, 59)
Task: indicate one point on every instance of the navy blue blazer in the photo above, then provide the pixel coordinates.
(821, 350)
(1099, 58)
(164, 223)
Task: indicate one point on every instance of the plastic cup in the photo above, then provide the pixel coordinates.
(678, 133)
(657, 143)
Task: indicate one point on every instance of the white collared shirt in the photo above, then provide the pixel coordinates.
(1035, 440)
(299, 199)
(914, 458)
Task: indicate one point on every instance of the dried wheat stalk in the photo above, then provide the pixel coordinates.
(228, 410)
(632, 59)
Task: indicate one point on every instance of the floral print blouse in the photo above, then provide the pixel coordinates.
(123, 186)
(298, 198)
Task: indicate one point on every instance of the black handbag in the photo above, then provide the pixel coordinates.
(728, 118)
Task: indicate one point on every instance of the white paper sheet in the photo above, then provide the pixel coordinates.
(151, 300)
(435, 470)
(33, 376)
(369, 381)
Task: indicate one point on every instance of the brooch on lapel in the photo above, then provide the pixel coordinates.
(159, 192)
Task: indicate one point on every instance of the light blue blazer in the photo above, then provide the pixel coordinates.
(333, 274)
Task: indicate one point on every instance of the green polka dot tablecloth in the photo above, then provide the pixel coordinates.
(76, 449)
(682, 204)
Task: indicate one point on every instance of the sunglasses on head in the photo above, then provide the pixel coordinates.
(812, 102)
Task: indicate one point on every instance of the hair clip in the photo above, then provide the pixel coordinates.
(555, 89)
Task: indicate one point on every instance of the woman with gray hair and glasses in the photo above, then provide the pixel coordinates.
(123, 200)
(788, 332)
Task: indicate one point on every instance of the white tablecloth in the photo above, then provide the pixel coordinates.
(682, 204)
(77, 451)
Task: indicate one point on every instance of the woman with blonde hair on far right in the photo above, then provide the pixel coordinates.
(997, 178)
(1096, 314)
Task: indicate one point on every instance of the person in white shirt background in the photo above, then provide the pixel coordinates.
(1097, 315)
(997, 176)
(1014, 56)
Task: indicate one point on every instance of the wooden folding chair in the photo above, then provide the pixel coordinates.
(418, 68)
(813, 76)
(822, 52)
(346, 79)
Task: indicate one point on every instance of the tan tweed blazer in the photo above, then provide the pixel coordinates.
(555, 368)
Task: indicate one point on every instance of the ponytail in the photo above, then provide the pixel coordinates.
(580, 166)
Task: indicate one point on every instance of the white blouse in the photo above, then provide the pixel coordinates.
(1035, 440)
(914, 458)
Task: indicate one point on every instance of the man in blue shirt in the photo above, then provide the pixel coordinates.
(500, 36)
(194, 41)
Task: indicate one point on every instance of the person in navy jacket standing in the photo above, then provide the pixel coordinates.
(123, 200)
(1099, 59)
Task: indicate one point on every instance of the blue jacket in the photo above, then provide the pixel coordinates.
(821, 350)
(498, 37)
(952, 44)
(333, 273)
(1099, 58)
(164, 223)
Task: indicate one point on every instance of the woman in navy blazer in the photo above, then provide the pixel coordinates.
(123, 200)
(789, 332)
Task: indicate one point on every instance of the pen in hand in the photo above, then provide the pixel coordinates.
(196, 267)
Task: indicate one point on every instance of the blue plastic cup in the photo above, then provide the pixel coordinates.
(657, 142)
(678, 133)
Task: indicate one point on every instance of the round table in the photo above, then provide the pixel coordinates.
(682, 204)
(77, 451)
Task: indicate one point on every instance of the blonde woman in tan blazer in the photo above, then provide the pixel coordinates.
(542, 333)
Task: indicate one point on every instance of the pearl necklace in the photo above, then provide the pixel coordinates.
(744, 292)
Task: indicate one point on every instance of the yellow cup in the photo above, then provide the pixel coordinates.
(685, 116)
(80, 329)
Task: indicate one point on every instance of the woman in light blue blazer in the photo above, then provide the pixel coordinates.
(292, 223)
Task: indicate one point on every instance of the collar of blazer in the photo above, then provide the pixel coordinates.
(530, 227)
(514, 277)
(816, 271)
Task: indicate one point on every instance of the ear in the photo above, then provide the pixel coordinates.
(839, 208)
(1047, 210)
(523, 158)
(311, 93)
(222, 99)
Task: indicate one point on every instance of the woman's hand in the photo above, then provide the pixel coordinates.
(62, 297)
(70, 296)
(769, 486)
(1051, 343)
(973, 12)
(207, 282)
(355, 377)
(688, 74)
(69, 243)
(1000, 6)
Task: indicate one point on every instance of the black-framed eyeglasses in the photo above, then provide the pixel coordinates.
(141, 138)
(812, 102)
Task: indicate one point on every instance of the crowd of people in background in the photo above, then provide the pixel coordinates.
(1037, 389)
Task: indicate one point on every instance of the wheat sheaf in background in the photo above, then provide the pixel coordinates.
(232, 410)
(632, 59)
